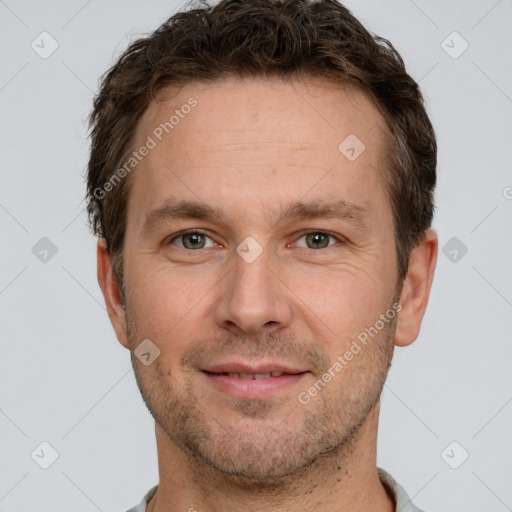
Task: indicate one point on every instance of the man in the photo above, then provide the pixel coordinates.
(261, 179)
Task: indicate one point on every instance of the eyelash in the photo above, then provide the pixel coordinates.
(303, 234)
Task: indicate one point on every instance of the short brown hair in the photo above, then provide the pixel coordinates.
(264, 38)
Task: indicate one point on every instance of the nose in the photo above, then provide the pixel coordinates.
(252, 299)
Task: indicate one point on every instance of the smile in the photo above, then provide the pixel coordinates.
(253, 385)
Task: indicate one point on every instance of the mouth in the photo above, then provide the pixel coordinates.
(241, 368)
(254, 376)
(244, 381)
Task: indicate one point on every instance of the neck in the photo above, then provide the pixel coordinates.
(344, 479)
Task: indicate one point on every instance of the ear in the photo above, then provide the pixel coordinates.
(111, 293)
(416, 289)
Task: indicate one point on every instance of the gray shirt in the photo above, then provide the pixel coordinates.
(396, 491)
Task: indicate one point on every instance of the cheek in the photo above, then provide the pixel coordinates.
(341, 304)
(166, 304)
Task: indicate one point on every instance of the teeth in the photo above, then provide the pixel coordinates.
(254, 375)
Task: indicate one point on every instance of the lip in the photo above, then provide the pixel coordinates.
(253, 388)
(247, 368)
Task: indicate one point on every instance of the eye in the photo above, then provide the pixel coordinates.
(192, 240)
(317, 240)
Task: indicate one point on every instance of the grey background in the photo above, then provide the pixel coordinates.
(65, 379)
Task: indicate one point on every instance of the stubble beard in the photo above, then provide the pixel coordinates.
(265, 449)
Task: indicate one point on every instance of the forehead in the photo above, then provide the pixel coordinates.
(247, 138)
(305, 111)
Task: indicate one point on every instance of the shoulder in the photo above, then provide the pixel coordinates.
(141, 507)
(397, 492)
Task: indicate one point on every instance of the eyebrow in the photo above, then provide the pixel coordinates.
(187, 209)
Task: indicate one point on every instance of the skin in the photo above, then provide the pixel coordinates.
(248, 147)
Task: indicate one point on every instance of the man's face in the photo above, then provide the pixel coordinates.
(252, 287)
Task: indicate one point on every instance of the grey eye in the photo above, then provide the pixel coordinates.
(316, 240)
(192, 240)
